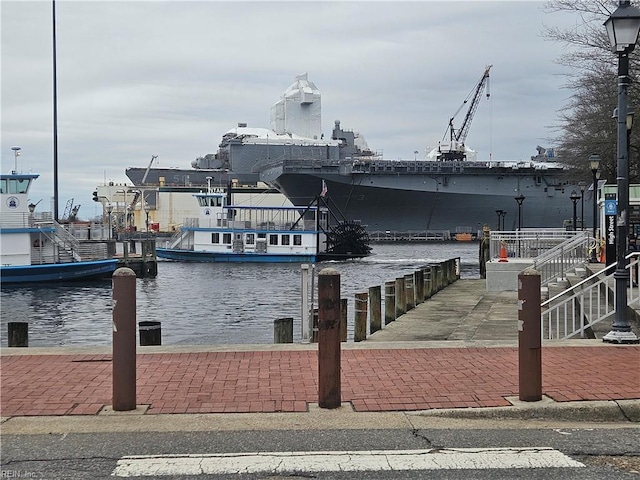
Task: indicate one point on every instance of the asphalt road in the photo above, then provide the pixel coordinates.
(607, 451)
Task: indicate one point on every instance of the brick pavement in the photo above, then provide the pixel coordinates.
(286, 380)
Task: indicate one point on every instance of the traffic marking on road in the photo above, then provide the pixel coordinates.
(334, 461)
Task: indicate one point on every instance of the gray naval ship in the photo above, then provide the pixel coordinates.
(449, 190)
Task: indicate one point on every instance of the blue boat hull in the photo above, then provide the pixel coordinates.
(57, 272)
(191, 256)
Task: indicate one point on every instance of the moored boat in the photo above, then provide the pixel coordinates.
(36, 248)
(225, 232)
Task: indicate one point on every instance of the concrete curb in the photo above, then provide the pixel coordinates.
(548, 409)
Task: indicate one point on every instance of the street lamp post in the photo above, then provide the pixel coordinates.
(520, 198)
(583, 186)
(499, 213)
(503, 214)
(574, 198)
(622, 27)
(594, 165)
(147, 208)
(109, 208)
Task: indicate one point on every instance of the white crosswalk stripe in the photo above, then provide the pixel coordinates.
(330, 461)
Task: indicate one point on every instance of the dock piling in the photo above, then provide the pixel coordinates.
(18, 334)
(389, 302)
(329, 388)
(150, 333)
(283, 330)
(360, 324)
(375, 307)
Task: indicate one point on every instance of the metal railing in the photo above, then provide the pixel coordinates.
(60, 237)
(585, 304)
(555, 263)
(529, 243)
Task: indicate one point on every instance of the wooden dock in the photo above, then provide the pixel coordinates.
(144, 263)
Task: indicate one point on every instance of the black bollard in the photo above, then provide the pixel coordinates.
(18, 334)
(124, 339)
(529, 337)
(329, 393)
(150, 333)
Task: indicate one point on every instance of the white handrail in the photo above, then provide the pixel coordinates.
(585, 304)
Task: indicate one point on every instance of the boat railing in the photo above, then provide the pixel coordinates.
(529, 243)
(409, 235)
(15, 220)
(60, 236)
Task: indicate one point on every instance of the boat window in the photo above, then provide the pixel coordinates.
(251, 238)
(297, 239)
(286, 239)
(17, 185)
(273, 239)
(215, 237)
(3, 185)
(226, 238)
(262, 235)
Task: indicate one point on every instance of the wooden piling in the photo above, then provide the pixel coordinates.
(375, 307)
(418, 280)
(389, 302)
(360, 325)
(401, 301)
(409, 292)
(343, 319)
(329, 387)
(18, 334)
(283, 330)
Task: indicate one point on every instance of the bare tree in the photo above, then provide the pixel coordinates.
(585, 124)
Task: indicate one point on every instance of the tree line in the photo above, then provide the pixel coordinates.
(585, 125)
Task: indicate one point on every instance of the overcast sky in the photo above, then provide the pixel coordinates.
(168, 78)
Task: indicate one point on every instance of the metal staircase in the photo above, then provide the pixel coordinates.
(576, 310)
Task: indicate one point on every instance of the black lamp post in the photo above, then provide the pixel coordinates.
(147, 208)
(499, 213)
(594, 165)
(109, 208)
(622, 28)
(520, 198)
(503, 214)
(574, 198)
(583, 186)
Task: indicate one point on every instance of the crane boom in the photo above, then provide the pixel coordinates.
(144, 178)
(464, 129)
(456, 148)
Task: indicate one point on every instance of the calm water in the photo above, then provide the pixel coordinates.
(204, 303)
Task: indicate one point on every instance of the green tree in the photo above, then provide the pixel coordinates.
(585, 125)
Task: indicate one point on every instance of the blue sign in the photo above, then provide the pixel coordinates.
(610, 207)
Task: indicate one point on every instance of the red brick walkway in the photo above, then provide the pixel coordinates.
(286, 381)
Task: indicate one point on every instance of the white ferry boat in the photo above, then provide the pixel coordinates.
(225, 232)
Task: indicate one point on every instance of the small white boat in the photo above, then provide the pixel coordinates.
(236, 233)
(38, 249)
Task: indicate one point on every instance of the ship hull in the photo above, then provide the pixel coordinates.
(453, 202)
